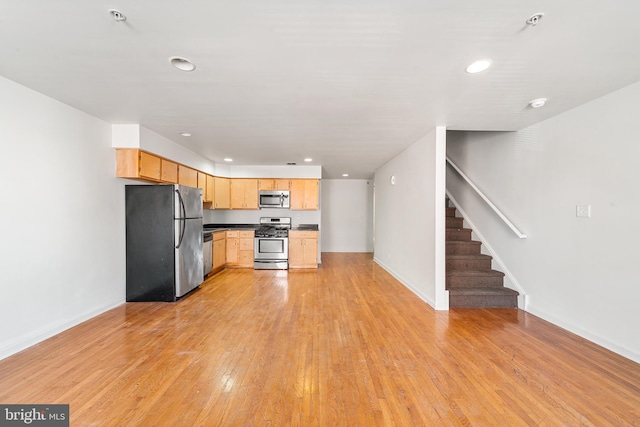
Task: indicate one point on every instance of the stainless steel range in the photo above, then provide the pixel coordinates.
(271, 250)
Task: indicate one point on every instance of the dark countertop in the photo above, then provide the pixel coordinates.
(305, 227)
(207, 228)
(219, 227)
(212, 230)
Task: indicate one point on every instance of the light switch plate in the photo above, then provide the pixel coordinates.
(583, 211)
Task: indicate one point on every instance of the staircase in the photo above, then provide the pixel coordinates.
(470, 280)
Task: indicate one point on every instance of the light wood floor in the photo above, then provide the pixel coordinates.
(344, 345)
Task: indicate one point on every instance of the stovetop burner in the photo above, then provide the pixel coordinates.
(272, 232)
(273, 227)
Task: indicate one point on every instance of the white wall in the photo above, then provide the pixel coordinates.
(253, 216)
(406, 215)
(347, 215)
(62, 218)
(579, 273)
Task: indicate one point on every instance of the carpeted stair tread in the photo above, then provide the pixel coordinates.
(462, 247)
(483, 291)
(469, 256)
(476, 273)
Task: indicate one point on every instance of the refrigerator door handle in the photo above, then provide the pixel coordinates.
(182, 219)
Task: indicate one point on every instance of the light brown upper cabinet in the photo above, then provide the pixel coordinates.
(137, 164)
(244, 193)
(169, 171)
(273, 184)
(221, 195)
(202, 183)
(187, 176)
(304, 194)
(208, 196)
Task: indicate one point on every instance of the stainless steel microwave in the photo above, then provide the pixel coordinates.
(274, 199)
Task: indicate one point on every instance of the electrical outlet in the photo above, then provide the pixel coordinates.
(583, 211)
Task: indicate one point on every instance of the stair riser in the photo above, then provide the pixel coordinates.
(468, 264)
(455, 222)
(483, 301)
(451, 212)
(458, 282)
(463, 248)
(458, 235)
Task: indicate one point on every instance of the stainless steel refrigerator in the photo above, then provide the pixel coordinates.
(164, 241)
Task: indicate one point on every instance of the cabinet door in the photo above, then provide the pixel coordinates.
(296, 252)
(310, 194)
(187, 176)
(282, 184)
(266, 184)
(202, 183)
(310, 253)
(169, 171)
(297, 194)
(149, 166)
(232, 250)
(237, 193)
(208, 196)
(219, 252)
(221, 193)
(251, 194)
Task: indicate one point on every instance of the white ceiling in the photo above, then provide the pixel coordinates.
(350, 83)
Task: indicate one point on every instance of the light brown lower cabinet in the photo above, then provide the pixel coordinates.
(219, 250)
(303, 249)
(240, 248)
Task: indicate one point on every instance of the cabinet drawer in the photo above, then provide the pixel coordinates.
(246, 257)
(246, 234)
(219, 235)
(232, 234)
(246, 245)
(303, 234)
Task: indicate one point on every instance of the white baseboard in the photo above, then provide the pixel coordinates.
(22, 343)
(405, 283)
(586, 335)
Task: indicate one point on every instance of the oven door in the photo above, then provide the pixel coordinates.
(271, 248)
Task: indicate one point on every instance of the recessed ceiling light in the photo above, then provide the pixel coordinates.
(308, 159)
(534, 19)
(228, 159)
(479, 66)
(185, 134)
(537, 103)
(345, 174)
(182, 64)
(117, 15)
